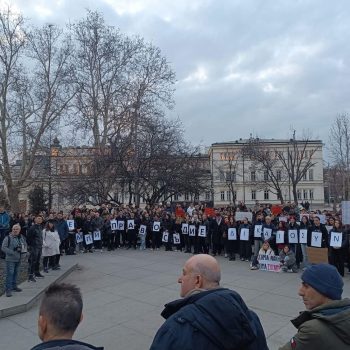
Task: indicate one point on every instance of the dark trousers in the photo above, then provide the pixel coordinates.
(337, 259)
(245, 250)
(49, 262)
(70, 244)
(34, 261)
(155, 239)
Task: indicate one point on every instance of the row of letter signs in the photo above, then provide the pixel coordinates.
(187, 229)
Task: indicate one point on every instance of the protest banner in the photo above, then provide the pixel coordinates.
(241, 215)
(88, 239)
(232, 234)
(269, 263)
(267, 233)
(283, 219)
(317, 255)
(192, 230)
(70, 224)
(184, 229)
(131, 224)
(142, 230)
(244, 236)
(303, 236)
(293, 236)
(97, 235)
(165, 237)
(257, 231)
(121, 225)
(336, 239)
(156, 226)
(202, 231)
(279, 237)
(79, 237)
(176, 238)
(114, 225)
(316, 239)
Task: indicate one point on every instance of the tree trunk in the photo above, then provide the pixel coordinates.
(295, 194)
(13, 197)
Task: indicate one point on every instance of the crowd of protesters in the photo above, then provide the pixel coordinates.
(190, 228)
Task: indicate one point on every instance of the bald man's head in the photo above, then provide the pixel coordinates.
(201, 271)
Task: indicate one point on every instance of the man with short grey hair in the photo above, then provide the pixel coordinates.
(208, 317)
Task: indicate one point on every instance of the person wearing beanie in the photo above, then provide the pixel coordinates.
(326, 322)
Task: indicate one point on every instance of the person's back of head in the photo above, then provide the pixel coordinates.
(60, 312)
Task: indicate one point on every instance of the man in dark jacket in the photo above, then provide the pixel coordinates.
(59, 316)
(35, 244)
(326, 322)
(209, 317)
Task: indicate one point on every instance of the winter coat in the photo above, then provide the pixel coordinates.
(217, 230)
(322, 328)
(10, 248)
(65, 344)
(4, 221)
(51, 243)
(323, 230)
(288, 259)
(35, 237)
(62, 229)
(211, 320)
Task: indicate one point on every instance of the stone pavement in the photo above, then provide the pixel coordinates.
(124, 293)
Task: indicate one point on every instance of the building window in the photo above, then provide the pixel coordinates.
(253, 195)
(304, 194)
(311, 175)
(266, 194)
(252, 176)
(222, 176)
(207, 196)
(176, 197)
(231, 176)
(228, 196)
(186, 197)
(234, 195)
(279, 175)
(304, 177)
(222, 195)
(196, 197)
(311, 194)
(299, 194)
(266, 176)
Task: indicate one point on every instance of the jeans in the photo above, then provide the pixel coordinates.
(34, 261)
(304, 251)
(11, 274)
(257, 246)
(143, 242)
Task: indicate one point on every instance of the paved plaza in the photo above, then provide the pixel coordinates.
(124, 293)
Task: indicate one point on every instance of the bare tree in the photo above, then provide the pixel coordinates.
(35, 90)
(296, 161)
(340, 150)
(266, 162)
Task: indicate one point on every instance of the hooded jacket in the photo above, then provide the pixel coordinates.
(65, 344)
(324, 327)
(213, 319)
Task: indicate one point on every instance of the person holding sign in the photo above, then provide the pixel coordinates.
(258, 231)
(303, 234)
(156, 233)
(232, 244)
(267, 229)
(202, 238)
(88, 240)
(338, 244)
(326, 322)
(216, 233)
(281, 236)
(245, 246)
(317, 235)
(209, 316)
(132, 228)
(293, 239)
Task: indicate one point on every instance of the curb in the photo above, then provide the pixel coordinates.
(32, 299)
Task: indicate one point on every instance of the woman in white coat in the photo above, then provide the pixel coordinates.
(51, 246)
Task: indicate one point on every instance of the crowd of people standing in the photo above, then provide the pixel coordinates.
(235, 232)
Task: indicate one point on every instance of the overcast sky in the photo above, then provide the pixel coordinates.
(251, 66)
